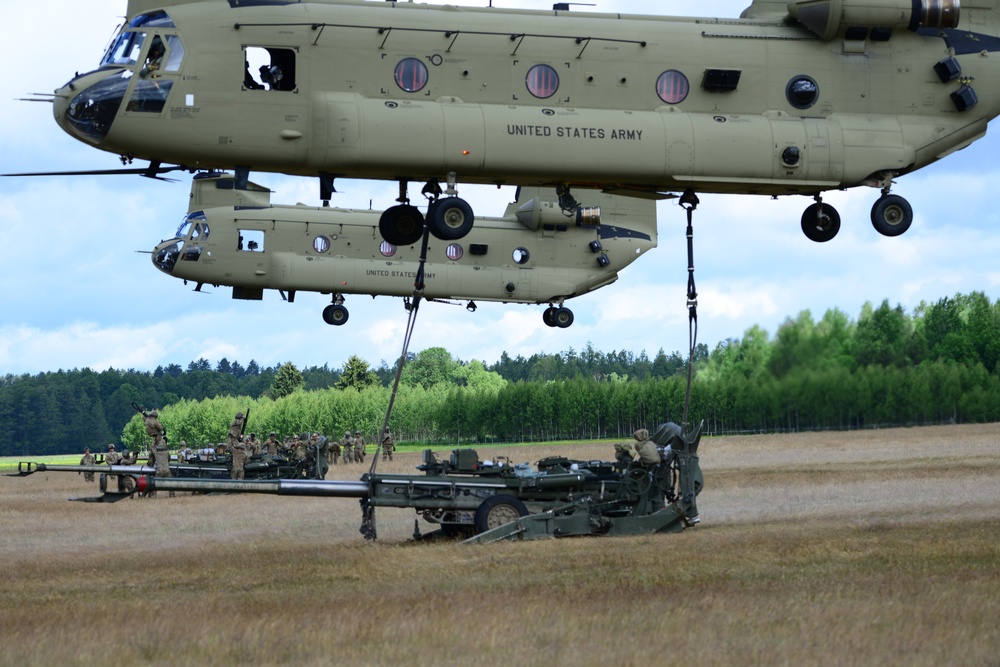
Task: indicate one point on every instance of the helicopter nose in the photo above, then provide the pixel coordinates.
(87, 105)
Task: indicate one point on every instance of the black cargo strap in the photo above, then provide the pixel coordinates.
(418, 292)
(689, 202)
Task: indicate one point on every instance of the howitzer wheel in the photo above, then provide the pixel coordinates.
(637, 482)
(497, 510)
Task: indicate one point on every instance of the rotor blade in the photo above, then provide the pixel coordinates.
(150, 171)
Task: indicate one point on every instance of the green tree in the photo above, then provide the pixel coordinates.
(357, 374)
(287, 381)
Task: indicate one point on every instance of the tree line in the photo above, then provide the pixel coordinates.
(889, 367)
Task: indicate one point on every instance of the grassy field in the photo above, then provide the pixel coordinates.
(862, 548)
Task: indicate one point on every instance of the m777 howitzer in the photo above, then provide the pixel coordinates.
(493, 500)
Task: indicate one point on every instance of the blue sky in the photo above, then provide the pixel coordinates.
(76, 292)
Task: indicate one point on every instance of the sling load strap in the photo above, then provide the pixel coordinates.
(689, 202)
(418, 291)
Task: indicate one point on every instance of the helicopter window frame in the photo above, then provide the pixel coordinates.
(411, 75)
(521, 256)
(269, 68)
(125, 50)
(387, 249)
(797, 98)
(542, 81)
(672, 86)
(454, 252)
(250, 240)
(321, 244)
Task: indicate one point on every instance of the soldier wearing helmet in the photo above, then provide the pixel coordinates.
(359, 447)
(235, 430)
(348, 445)
(388, 444)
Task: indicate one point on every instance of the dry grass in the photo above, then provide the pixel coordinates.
(880, 547)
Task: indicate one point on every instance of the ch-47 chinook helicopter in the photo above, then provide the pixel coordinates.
(531, 255)
(794, 97)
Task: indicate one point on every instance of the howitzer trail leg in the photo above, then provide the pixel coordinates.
(368, 520)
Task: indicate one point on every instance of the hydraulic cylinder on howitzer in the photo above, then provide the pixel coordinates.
(281, 487)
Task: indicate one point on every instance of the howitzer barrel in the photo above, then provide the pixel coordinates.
(29, 467)
(281, 487)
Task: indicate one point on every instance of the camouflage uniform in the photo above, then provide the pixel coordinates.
(239, 450)
(236, 430)
(87, 460)
(334, 451)
(320, 445)
(254, 446)
(388, 445)
(163, 463)
(154, 428)
(112, 458)
(271, 445)
(359, 447)
(348, 444)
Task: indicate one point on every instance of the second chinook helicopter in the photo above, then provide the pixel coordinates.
(533, 254)
(791, 98)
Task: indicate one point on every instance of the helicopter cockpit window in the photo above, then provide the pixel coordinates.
(251, 240)
(125, 50)
(267, 68)
(191, 220)
(802, 92)
(542, 81)
(157, 19)
(411, 74)
(175, 54)
(672, 87)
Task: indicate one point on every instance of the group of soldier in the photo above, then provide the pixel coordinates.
(349, 449)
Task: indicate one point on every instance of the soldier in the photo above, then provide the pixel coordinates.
(348, 444)
(184, 453)
(154, 428)
(87, 460)
(359, 447)
(388, 444)
(236, 429)
(162, 462)
(239, 450)
(254, 445)
(271, 444)
(334, 451)
(111, 458)
(319, 445)
(300, 448)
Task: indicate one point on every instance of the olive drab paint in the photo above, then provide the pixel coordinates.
(792, 98)
(533, 254)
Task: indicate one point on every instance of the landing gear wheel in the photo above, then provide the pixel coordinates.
(891, 215)
(563, 317)
(549, 316)
(335, 314)
(401, 225)
(820, 222)
(497, 510)
(450, 218)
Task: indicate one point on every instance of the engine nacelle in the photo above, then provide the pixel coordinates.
(537, 213)
(826, 18)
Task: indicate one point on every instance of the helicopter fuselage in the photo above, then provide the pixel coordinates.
(534, 254)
